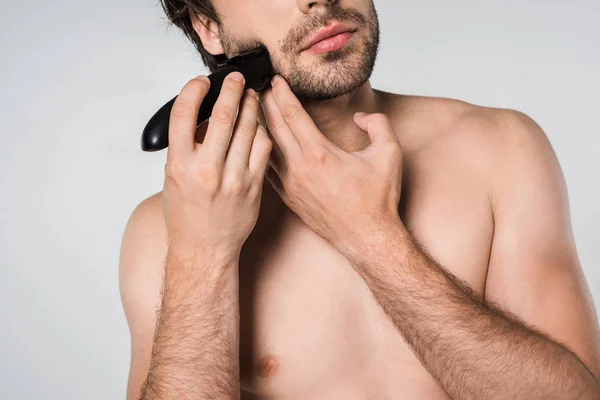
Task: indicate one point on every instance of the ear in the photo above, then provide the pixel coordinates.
(208, 32)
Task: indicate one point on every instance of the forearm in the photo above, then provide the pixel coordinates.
(196, 344)
(474, 350)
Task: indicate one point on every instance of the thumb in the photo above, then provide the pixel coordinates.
(377, 126)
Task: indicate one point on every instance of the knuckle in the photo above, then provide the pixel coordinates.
(234, 186)
(289, 112)
(318, 156)
(207, 175)
(392, 147)
(275, 124)
(174, 169)
(246, 129)
(223, 115)
(181, 109)
(393, 153)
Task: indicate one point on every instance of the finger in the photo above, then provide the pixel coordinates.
(299, 122)
(259, 154)
(243, 133)
(378, 127)
(222, 120)
(276, 159)
(276, 183)
(277, 127)
(184, 116)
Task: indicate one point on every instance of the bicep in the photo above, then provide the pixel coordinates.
(141, 263)
(534, 270)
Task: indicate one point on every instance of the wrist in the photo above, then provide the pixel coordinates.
(374, 239)
(197, 249)
(197, 256)
(215, 272)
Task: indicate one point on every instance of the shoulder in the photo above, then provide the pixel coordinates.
(143, 250)
(512, 151)
(499, 139)
(141, 265)
(148, 211)
(499, 144)
(145, 231)
(436, 120)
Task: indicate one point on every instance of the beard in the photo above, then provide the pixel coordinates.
(324, 76)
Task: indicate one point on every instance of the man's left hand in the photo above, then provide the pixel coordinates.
(337, 194)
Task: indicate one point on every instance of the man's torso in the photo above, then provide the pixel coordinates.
(310, 327)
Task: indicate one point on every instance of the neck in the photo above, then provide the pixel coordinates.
(334, 117)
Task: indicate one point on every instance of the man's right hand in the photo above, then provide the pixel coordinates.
(212, 193)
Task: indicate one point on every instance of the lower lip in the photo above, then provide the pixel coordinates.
(330, 44)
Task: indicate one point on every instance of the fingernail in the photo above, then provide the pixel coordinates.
(274, 80)
(360, 114)
(251, 93)
(237, 76)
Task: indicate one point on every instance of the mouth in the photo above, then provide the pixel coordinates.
(330, 38)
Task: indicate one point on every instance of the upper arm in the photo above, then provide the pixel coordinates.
(534, 270)
(141, 262)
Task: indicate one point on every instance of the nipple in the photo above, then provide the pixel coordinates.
(268, 366)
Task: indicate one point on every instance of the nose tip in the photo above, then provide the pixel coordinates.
(307, 5)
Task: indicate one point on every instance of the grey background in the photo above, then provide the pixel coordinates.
(79, 80)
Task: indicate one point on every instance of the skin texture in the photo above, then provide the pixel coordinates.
(285, 29)
(422, 252)
(218, 185)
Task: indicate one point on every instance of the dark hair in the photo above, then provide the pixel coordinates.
(178, 13)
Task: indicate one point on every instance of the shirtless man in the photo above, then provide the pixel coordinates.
(421, 251)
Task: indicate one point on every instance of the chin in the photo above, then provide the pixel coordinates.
(330, 79)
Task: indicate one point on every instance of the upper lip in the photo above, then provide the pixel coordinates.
(327, 32)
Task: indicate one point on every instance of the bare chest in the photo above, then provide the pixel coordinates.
(309, 325)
